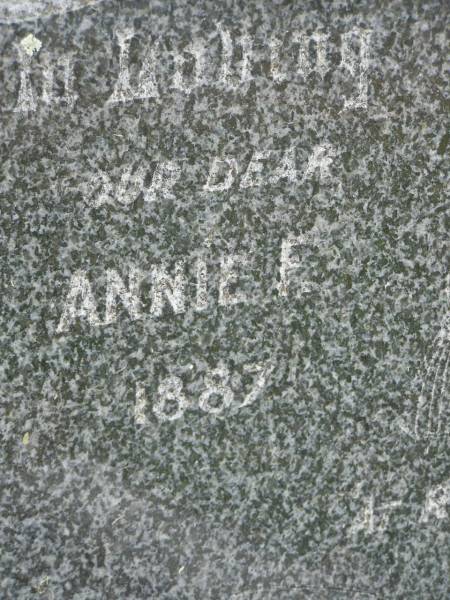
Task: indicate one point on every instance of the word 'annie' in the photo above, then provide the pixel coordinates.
(80, 302)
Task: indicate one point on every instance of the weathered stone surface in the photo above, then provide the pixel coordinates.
(275, 425)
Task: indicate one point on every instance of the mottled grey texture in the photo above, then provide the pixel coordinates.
(256, 503)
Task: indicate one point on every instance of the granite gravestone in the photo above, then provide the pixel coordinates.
(224, 308)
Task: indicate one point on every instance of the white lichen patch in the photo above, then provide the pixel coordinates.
(31, 44)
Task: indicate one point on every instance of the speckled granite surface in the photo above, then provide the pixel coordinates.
(283, 431)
